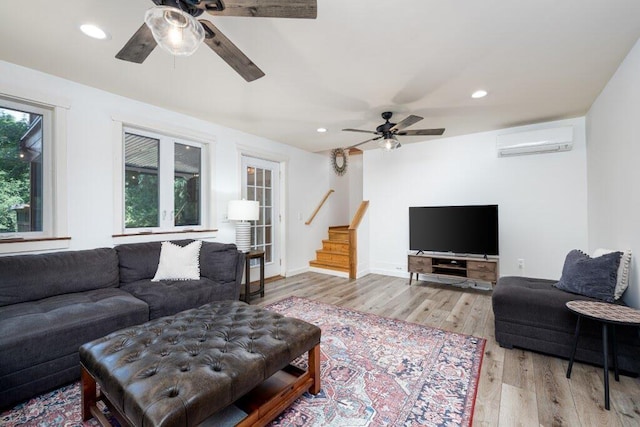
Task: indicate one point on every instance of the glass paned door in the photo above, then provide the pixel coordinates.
(261, 180)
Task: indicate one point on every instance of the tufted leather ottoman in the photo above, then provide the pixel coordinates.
(188, 368)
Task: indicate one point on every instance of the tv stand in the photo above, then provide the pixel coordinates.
(452, 266)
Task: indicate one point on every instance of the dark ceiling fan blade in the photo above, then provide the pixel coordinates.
(360, 130)
(421, 132)
(138, 47)
(228, 51)
(406, 123)
(307, 9)
(364, 142)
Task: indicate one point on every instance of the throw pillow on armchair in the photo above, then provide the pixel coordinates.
(592, 277)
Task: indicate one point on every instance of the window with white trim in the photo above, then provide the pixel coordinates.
(26, 170)
(163, 185)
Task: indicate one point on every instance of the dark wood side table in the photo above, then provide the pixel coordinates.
(247, 274)
(609, 315)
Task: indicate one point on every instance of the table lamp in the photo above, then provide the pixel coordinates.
(243, 211)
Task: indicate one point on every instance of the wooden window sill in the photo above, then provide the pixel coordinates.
(29, 240)
(37, 244)
(158, 233)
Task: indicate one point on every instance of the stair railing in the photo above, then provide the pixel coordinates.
(353, 238)
(313, 215)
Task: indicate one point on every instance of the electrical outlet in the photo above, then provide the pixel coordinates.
(521, 263)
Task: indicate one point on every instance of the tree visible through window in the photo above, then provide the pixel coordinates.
(21, 174)
(141, 185)
(186, 185)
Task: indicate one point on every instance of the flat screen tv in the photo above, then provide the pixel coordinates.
(462, 230)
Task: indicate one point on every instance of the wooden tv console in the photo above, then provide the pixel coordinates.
(452, 266)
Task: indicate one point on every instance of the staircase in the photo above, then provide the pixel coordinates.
(334, 254)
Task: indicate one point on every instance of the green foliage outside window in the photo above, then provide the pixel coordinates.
(186, 196)
(141, 194)
(14, 173)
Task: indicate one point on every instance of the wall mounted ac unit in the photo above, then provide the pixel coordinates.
(535, 142)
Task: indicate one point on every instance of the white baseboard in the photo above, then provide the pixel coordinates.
(329, 272)
(296, 271)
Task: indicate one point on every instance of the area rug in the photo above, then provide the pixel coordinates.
(375, 371)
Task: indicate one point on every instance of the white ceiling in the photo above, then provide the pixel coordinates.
(539, 60)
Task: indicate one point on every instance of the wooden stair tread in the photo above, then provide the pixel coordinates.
(336, 263)
(327, 252)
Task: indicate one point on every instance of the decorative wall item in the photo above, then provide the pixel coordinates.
(340, 160)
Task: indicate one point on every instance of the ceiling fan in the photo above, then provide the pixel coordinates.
(181, 13)
(388, 131)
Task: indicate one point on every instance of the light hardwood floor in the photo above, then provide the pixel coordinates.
(517, 387)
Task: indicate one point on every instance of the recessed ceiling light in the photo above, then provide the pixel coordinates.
(94, 31)
(322, 130)
(479, 94)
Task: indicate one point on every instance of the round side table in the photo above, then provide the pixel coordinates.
(609, 315)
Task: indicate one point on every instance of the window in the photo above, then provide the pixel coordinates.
(25, 170)
(162, 182)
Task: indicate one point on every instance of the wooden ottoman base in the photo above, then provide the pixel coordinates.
(258, 407)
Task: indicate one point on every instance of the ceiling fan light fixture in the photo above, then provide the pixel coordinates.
(389, 143)
(174, 30)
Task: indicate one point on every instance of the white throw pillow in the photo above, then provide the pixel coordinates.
(178, 262)
(623, 269)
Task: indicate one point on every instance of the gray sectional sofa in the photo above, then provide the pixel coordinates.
(532, 314)
(50, 304)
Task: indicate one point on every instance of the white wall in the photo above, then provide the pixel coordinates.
(542, 198)
(348, 191)
(338, 202)
(613, 150)
(355, 183)
(90, 172)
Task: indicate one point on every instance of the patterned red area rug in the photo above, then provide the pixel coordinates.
(375, 371)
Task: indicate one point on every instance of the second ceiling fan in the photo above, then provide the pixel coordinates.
(388, 131)
(180, 14)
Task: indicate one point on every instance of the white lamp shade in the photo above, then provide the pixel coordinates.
(244, 210)
(175, 31)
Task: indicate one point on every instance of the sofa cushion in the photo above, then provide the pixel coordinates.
(592, 277)
(219, 261)
(139, 261)
(36, 332)
(169, 297)
(34, 277)
(534, 302)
